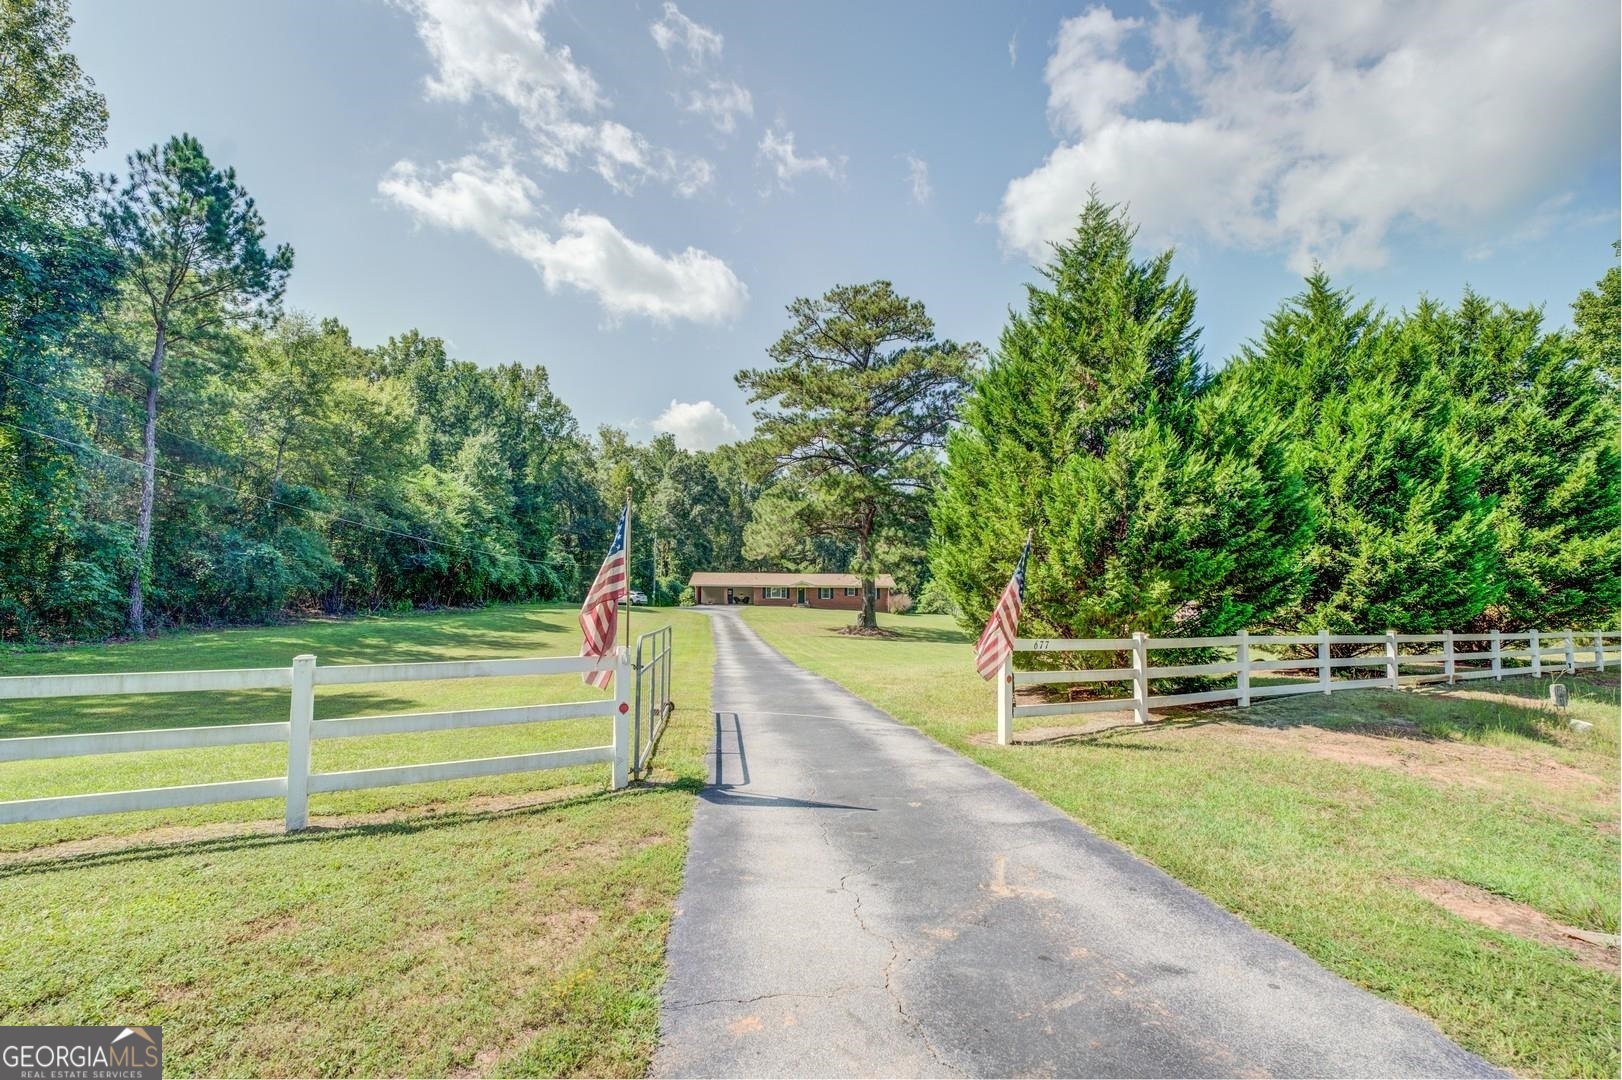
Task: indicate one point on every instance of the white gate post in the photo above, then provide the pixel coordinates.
(1448, 667)
(1537, 654)
(1391, 658)
(1140, 678)
(1599, 652)
(622, 717)
(1497, 656)
(1571, 652)
(299, 715)
(1242, 655)
(1323, 660)
(1005, 701)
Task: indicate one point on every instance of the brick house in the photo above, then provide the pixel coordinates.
(841, 591)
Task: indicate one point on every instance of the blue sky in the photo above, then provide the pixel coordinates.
(630, 193)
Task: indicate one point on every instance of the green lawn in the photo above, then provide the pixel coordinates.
(505, 925)
(1322, 819)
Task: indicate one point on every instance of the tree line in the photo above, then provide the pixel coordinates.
(176, 447)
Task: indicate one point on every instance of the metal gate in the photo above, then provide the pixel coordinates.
(650, 700)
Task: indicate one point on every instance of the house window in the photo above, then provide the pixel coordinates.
(825, 594)
(853, 592)
(774, 594)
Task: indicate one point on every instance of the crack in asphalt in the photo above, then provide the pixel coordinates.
(823, 995)
(894, 945)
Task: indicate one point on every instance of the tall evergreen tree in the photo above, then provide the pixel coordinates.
(194, 244)
(1540, 409)
(1152, 509)
(1404, 536)
(853, 411)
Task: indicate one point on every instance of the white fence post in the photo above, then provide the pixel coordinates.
(1448, 667)
(1005, 701)
(1599, 652)
(299, 716)
(1323, 660)
(1140, 678)
(1242, 655)
(1498, 656)
(1537, 654)
(1571, 652)
(1391, 658)
(623, 750)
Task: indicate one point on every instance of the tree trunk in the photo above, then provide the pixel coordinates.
(869, 618)
(149, 486)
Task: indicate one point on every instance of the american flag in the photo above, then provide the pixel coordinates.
(996, 642)
(600, 614)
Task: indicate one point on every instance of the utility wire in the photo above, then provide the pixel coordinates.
(332, 515)
(210, 447)
(121, 414)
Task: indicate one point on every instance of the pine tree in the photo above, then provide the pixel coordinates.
(194, 245)
(852, 414)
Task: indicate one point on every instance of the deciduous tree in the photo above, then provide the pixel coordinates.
(51, 115)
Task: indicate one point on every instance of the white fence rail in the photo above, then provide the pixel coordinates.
(302, 729)
(1531, 653)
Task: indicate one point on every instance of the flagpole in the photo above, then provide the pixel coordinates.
(629, 566)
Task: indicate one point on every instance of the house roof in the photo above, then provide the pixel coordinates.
(753, 580)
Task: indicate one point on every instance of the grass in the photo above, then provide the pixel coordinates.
(1315, 818)
(509, 925)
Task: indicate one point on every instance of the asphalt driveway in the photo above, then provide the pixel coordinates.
(861, 901)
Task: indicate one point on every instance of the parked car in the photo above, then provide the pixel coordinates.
(637, 597)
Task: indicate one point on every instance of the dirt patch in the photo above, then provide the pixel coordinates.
(1523, 921)
(1393, 744)
(1464, 763)
(573, 925)
(1038, 736)
(169, 836)
(277, 924)
(864, 631)
(485, 1060)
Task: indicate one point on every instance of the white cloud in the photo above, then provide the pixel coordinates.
(1087, 84)
(674, 30)
(722, 102)
(778, 152)
(719, 100)
(918, 176)
(624, 159)
(495, 49)
(1325, 128)
(1013, 49)
(697, 425)
(472, 195)
(492, 200)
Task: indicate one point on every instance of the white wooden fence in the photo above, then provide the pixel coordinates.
(302, 729)
(1529, 653)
